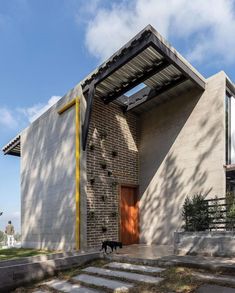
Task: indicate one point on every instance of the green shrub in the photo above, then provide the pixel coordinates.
(195, 213)
(231, 216)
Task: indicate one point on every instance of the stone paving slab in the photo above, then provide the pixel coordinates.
(117, 286)
(65, 286)
(201, 262)
(215, 278)
(133, 267)
(214, 289)
(125, 275)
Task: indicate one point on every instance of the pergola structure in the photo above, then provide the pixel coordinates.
(148, 59)
(13, 147)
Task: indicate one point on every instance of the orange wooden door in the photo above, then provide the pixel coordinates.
(129, 206)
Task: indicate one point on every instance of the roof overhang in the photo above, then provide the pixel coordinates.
(148, 59)
(13, 147)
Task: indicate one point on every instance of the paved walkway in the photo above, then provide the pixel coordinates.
(214, 289)
(144, 251)
(162, 255)
(119, 277)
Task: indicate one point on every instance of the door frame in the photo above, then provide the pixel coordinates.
(120, 185)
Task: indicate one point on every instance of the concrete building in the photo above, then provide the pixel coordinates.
(117, 155)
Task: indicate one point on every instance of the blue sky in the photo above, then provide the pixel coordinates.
(47, 47)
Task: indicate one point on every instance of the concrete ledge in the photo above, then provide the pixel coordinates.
(198, 262)
(216, 243)
(16, 274)
(126, 258)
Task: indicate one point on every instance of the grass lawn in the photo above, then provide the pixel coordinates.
(13, 253)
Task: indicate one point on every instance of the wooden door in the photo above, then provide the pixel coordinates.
(129, 210)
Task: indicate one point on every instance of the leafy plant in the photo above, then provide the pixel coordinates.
(104, 229)
(231, 216)
(195, 213)
(110, 173)
(92, 146)
(103, 135)
(104, 197)
(114, 214)
(114, 153)
(92, 181)
(103, 165)
(230, 201)
(114, 183)
(92, 214)
(2, 236)
(17, 237)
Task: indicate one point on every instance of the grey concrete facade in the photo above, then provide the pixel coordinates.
(48, 179)
(182, 152)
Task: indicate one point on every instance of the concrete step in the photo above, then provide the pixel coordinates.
(65, 286)
(133, 267)
(115, 285)
(223, 279)
(214, 289)
(122, 274)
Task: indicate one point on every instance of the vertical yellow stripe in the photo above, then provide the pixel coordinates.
(77, 113)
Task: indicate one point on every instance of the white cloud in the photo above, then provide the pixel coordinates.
(32, 113)
(20, 117)
(7, 118)
(208, 26)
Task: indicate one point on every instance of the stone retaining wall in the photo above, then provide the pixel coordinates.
(216, 243)
(14, 274)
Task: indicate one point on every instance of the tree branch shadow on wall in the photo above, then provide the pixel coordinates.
(172, 175)
(48, 182)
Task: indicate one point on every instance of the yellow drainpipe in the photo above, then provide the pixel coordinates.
(77, 160)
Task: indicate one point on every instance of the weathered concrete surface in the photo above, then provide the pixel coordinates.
(214, 289)
(223, 279)
(143, 251)
(117, 286)
(208, 263)
(65, 286)
(38, 258)
(48, 179)
(182, 152)
(124, 275)
(201, 262)
(205, 243)
(13, 276)
(133, 267)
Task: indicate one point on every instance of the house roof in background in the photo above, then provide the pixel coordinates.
(13, 147)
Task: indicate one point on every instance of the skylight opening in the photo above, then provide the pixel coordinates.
(135, 89)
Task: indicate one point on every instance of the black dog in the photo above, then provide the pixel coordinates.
(111, 244)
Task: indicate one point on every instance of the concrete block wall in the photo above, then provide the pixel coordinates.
(216, 243)
(182, 152)
(103, 196)
(48, 179)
